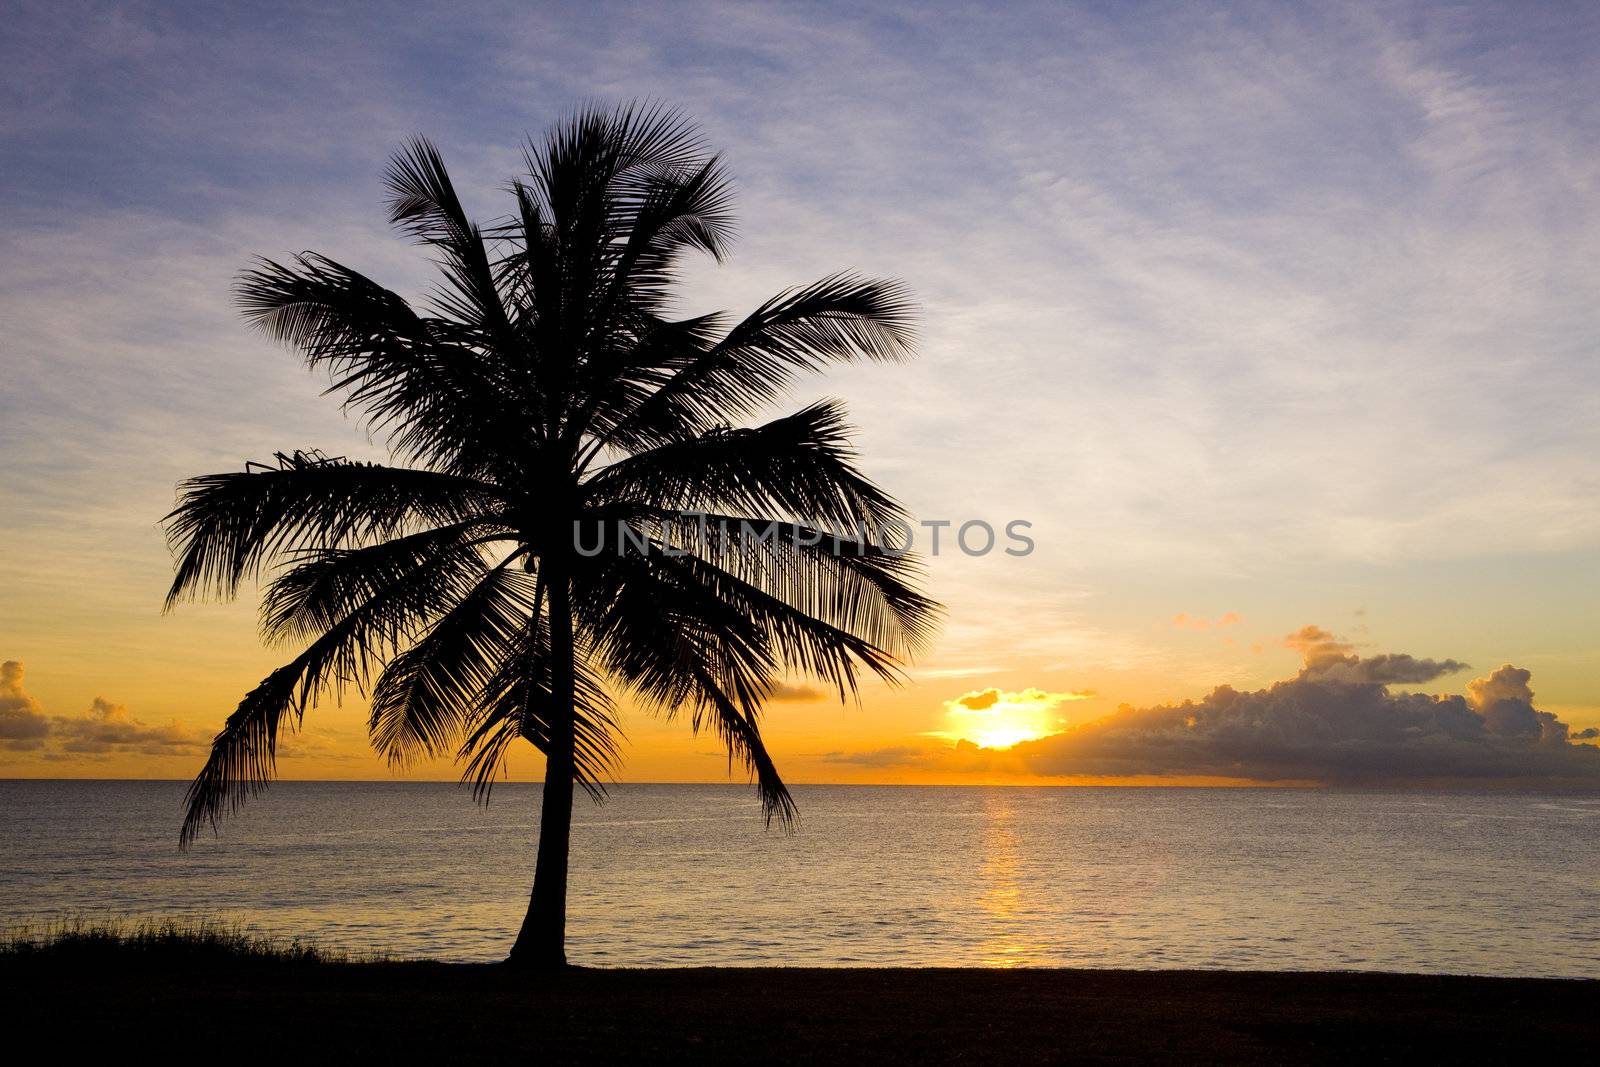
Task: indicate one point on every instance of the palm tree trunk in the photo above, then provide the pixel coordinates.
(541, 943)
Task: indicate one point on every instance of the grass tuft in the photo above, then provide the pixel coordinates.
(157, 940)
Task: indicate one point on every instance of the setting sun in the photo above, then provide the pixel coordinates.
(1005, 734)
(995, 718)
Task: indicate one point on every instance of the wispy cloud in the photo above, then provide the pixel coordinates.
(1184, 621)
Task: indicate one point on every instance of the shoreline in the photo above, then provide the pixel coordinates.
(97, 997)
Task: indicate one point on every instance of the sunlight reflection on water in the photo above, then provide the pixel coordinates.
(1007, 943)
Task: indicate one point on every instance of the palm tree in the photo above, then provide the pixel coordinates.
(546, 403)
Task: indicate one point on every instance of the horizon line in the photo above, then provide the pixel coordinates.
(1502, 787)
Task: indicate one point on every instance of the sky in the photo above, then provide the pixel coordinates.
(1277, 323)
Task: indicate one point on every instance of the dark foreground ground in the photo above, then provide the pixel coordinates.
(289, 1010)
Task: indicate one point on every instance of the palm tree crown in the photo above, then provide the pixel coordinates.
(546, 401)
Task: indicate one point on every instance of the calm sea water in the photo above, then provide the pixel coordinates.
(908, 876)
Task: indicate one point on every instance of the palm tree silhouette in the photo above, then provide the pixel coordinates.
(545, 405)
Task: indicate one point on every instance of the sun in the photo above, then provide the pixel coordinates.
(998, 719)
(1005, 734)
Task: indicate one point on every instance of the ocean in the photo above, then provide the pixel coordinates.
(674, 875)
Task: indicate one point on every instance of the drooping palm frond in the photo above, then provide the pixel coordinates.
(795, 641)
(856, 585)
(700, 657)
(674, 213)
(517, 702)
(429, 693)
(243, 755)
(736, 725)
(669, 627)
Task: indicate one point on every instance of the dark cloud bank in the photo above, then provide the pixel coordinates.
(1335, 722)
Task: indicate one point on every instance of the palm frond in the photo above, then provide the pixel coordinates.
(420, 381)
(838, 319)
(423, 203)
(852, 584)
(799, 467)
(323, 585)
(226, 526)
(658, 620)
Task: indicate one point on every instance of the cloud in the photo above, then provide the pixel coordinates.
(896, 756)
(104, 729)
(1330, 659)
(1389, 669)
(1505, 701)
(1335, 722)
(985, 699)
(784, 692)
(1316, 645)
(23, 725)
(960, 672)
(323, 744)
(108, 727)
(979, 701)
